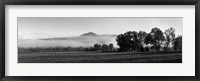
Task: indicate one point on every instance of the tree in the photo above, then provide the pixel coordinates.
(121, 42)
(97, 47)
(110, 47)
(178, 43)
(128, 41)
(170, 35)
(155, 38)
(105, 48)
(141, 36)
(148, 39)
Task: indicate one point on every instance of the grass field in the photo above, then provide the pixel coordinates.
(95, 57)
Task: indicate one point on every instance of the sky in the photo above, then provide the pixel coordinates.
(48, 27)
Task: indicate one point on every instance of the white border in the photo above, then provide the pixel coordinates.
(187, 68)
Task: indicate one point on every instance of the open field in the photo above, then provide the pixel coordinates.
(95, 57)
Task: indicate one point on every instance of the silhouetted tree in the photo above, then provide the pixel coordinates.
(141, 37)
(128, 41)
(155, 38)
(170, 35)
(148, 39)
(121, 42)
(105, 48)
(110, 47)
(97, 47)
(178, 43)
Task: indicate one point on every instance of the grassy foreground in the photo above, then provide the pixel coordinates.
(95, 57)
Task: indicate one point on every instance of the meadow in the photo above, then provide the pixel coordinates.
(100, 57)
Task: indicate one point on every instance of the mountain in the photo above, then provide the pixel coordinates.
(89, 34)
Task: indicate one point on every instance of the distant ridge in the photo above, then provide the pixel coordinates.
(89, 34)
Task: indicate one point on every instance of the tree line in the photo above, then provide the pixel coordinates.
(104, 47)
(155, 40)
(97, 47)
